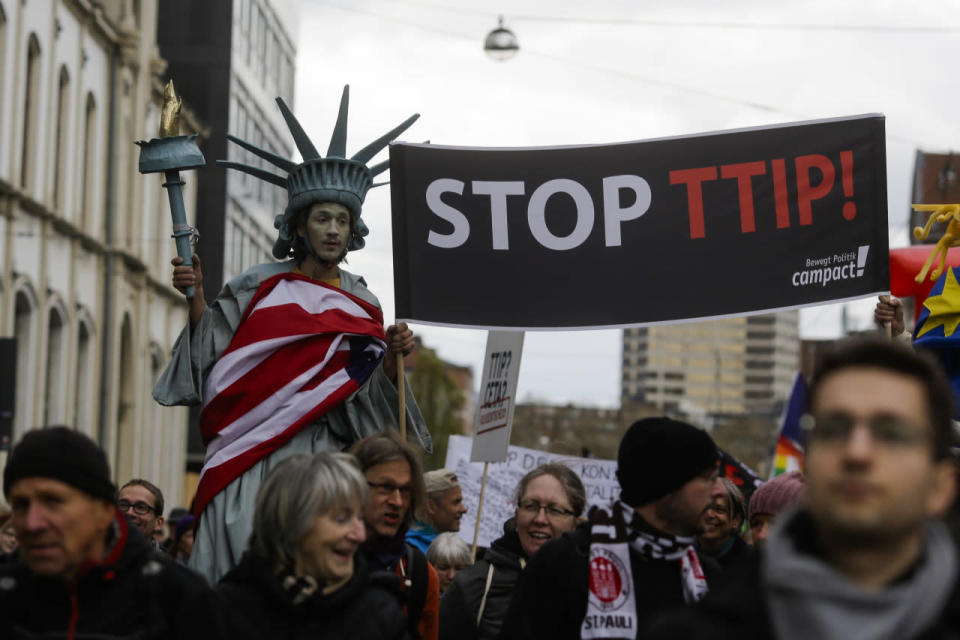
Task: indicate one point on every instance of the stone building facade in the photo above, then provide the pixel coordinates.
(85, 243)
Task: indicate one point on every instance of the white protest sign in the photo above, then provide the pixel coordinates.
(598, 476)
(498, 396)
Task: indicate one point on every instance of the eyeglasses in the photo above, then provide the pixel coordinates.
(139, 508)
(532, 508)
(835, 428)
(384, 489)
(716, 507)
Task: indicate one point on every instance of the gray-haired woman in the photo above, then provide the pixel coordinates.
(448, 554)
(301, 576)
(549, 501)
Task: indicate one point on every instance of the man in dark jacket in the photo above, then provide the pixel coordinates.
(83, 571)
(395, 477)
(863, 556)
(610, 575)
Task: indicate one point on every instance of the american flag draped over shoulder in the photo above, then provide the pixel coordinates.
(301, 349)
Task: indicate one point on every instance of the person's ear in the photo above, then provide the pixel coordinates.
(944, 489)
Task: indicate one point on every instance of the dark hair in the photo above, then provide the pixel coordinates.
(152, 488)
(298, 246)
(569, 480)
(898, 358)
(387, 446)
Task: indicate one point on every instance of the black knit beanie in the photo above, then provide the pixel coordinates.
(62, 454)
(660, 455)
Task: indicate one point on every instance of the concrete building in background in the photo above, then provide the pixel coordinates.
(734, 366)
(85, 247)
(230, 60)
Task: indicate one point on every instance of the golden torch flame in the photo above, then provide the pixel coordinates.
(170, 114)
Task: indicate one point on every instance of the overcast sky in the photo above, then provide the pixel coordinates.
(615, 71)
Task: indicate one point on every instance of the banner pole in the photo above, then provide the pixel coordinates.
(401, 391)
(476, 528)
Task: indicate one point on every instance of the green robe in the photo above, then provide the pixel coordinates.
(227, 521)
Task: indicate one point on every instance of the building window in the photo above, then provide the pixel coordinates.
(54, 386)
(760, 351)
(88, 170)
(3, 42)
(31, 116)
(83, 389)
(125, 448)
(61, 148)
(261, 52)
(23, 332)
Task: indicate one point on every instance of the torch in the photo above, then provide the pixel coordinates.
(171, 153)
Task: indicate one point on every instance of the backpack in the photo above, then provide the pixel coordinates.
(415, 583)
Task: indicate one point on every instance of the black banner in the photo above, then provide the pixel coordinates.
(718, 224)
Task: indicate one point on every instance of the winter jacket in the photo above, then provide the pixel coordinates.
(489, 582)
(421, 584)
(550, 601)
(367, 607)
(737, 553)
(421, 535)
(738, 610)
(134, 592)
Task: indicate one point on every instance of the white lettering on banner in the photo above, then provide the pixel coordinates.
(614, 215)
(498, 192)
(599, 479)
(819, 271)
(461, 226)
(537, 214)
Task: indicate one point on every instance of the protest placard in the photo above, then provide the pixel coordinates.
(709, 225)
(498, 396)
(599, 478)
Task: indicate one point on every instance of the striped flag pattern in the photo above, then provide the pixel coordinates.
(301, 349)
(789, 452)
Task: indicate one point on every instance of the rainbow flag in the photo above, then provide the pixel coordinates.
(788, 455)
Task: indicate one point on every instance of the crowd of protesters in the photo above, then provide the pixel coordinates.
(364, 544)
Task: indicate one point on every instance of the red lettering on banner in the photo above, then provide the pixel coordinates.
(808, 189)
(806, 193)
(846, 164)
(743, 172)
(694, 179)
(780, 193)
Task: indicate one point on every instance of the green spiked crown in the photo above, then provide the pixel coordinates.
(334, 178)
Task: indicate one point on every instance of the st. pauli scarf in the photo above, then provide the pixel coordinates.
(611, 604)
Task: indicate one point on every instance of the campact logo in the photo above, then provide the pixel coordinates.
(840, 266)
